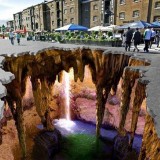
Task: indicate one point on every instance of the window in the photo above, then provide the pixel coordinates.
(65, 21)
(86, 20)
(95, 7)
(157, 18)
(94, 18)
(86, 8)
(157, 4)
(72, 10)
(135, 13)
(135, 1)
(72, 20)
(122, 1)
(65, 11)
(52, 23)
(122, 15)
(52, 13)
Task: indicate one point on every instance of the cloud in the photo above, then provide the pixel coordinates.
(9, 7)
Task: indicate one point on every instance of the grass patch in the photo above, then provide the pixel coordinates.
(83, 147)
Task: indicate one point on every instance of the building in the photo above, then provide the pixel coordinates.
(134, 10)
(17, 21)
(10, 25)
(27, 18)
(39, 24)
(54, 15)
(155, 11)
(97, 12)
(71, 12)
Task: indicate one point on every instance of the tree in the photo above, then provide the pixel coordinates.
(3, 28)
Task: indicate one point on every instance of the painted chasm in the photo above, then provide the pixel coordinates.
(137, 75)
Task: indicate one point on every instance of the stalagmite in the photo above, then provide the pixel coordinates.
(151, 143)
(139, 97)
(129, 77)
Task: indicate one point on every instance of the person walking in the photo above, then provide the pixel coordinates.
(137, 39)
(18, 36)
(147, 38)
(157, 38)
(128, 36)
(152, 37)
(11, 37)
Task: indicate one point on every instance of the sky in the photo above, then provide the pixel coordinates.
(9, 7)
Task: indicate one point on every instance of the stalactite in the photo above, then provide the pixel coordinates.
(139, 97)
(102, 95)
(100, 106)
(45, 102)
(129, 77)
(20, 126)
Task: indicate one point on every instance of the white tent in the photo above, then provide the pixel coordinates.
(110, 28)
(100, 28)
(96, 28)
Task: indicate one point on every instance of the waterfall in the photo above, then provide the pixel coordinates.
(66, 82)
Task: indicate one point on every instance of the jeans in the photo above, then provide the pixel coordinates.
(146, 45)
(128, 45)
(12, 40)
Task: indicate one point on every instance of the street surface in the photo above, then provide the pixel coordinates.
(34, 46)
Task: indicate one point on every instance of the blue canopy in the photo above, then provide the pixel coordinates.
(156, 23)
(72, 27)
(137, 24)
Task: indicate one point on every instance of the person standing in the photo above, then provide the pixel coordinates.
(11, 37)
(147, 38)
(128, 36)
(18, 38)
(137, 39)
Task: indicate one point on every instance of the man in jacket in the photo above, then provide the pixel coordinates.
(137, 39)
(128, 36)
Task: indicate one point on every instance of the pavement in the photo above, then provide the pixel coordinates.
(6, 48)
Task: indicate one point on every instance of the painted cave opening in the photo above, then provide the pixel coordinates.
(107, 101)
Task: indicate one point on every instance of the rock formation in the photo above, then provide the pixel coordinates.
(106, 67)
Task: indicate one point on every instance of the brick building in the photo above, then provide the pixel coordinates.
(71, 12)
(27, 18)
(10, 25)
(133, 10)
(97, 12)
(50, 15)
(17, 21)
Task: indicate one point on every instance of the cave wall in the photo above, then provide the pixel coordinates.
(106, 67)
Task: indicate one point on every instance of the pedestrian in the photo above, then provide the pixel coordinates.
(11, 37)
(147, 38)
(18, 36)
(128, 36)
(137, 39)
(157, 38)
(152, 37)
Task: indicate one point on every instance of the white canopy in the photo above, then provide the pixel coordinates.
(110, 28)
(96, 28)
(102, 28)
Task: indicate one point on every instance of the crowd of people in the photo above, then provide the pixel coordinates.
(13, 36)
(149, 37)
